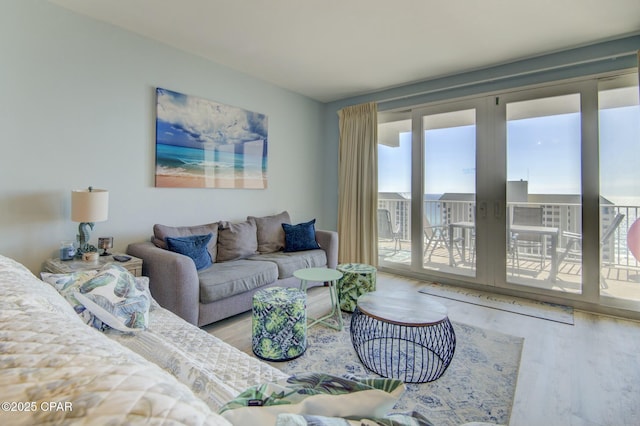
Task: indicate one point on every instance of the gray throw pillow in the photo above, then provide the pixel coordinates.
(236, 240)
(270, 232)
(161, 232)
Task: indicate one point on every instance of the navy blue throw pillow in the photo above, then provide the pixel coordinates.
(300, 237)
(194, 246)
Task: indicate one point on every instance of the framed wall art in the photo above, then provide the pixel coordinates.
(205, 144)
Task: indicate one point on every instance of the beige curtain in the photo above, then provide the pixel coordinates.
(358, 184)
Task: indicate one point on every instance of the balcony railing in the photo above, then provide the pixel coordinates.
(565, 217)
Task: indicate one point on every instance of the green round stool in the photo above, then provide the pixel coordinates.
(279, 323)
(357, 279)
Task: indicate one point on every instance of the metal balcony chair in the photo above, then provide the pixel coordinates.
(574, 240)
(437, 236)
(387, 230)
(529, 216)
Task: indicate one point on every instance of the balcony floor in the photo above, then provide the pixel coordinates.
(617, 282)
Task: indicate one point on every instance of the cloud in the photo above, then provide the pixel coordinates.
(209, 123)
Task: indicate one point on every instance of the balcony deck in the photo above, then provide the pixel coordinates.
(619, 281)
(620, 272)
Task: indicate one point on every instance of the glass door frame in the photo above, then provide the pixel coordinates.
(417, 188)
(589, 184)
(491, 183)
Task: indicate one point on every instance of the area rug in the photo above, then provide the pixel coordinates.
(532, 308)
(479, 384)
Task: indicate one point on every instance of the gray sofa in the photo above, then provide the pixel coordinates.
(246, 256)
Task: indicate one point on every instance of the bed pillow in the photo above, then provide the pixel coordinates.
(194, 246)
(237, 240)
(300, 237)
(269, 231)
(116, 298)
(161, 232)
(67, 285)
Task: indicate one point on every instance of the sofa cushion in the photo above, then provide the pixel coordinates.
(161, 232)
(226, 279)
(237, 240)
(270, 232)
(289, 262)
(300, 237)
(194, 246)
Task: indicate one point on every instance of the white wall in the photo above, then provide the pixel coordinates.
(77, 105)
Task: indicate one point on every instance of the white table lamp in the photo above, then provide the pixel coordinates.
(87, 207)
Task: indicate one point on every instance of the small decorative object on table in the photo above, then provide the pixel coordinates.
(67, 250)
(357, 279)
(90, 256)
(403, 335)
(105, 243)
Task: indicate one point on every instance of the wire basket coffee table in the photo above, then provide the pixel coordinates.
(403, 335)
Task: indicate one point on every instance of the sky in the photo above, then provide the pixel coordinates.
(195, 122)
(542, 150)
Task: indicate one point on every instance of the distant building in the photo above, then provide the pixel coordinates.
(562, 211)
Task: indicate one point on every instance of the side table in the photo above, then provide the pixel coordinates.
(327, 275)
(403, 335)
(279, 323)
(357, 279)
(57, 266)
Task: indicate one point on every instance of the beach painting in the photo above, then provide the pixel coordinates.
(205, 144)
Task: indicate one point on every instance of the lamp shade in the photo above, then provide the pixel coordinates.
(89, 205)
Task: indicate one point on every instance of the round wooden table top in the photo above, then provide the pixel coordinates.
(412, 309)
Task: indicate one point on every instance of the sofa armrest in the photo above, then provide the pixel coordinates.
(328, 240)
(173, 279)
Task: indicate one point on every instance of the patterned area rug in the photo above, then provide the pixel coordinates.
(532, 308)
(479, 384)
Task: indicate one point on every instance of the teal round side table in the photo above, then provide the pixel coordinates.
(331, 277)
(357, 279)
(279, 323)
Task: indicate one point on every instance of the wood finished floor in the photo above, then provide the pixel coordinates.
(585, 374)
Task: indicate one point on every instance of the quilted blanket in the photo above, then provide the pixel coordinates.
(54, 369)
(214, 370)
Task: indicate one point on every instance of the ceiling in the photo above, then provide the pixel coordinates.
(334, 49)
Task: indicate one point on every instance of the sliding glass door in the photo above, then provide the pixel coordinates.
(544, 207)
(437, 232)
(449, 189)
(533, 190)
(394, 189)
(619, 147)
